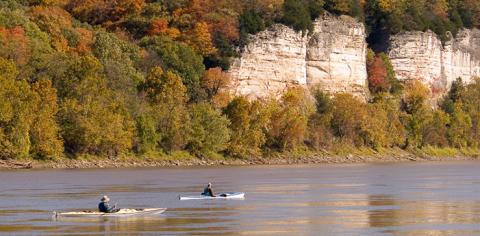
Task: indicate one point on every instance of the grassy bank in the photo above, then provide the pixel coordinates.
(344, 155)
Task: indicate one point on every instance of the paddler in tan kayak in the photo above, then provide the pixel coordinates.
(103, 206)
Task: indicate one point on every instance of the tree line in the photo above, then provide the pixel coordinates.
(137, 77)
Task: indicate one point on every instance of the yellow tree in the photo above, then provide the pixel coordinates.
(440, 8)
(95, 121)
(247, 121)
(93, 117)
(54, 21)
(214, 81)
(349, 114)
(418, 112)
(17, 105)
(44, 133)
(200, 39)
(287, 129)
(386, 5)
(219, 16)
(104, 11)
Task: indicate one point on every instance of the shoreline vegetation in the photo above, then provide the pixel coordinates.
(145, 83)
(355, 156)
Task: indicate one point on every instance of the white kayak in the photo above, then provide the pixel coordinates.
(122, 212)
(237, 195)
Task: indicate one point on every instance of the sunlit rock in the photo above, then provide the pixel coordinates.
(331, 58)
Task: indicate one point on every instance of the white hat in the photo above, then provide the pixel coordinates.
(105, 199)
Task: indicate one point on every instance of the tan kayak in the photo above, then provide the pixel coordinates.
(122, 212)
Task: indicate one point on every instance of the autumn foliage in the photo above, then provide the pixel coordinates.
(150, 78)
(158, 27)
(104, 11)
(15, 45)
(377, 75)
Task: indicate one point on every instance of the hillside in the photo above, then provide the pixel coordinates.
(150, 78)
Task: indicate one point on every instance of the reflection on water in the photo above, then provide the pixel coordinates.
(399, 199)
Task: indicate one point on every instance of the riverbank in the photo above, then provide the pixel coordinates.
(353, 156)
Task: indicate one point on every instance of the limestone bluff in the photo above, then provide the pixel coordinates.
(421, 55)
(333, 58)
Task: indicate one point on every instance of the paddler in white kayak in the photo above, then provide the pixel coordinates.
(103, 206)
(209, 192)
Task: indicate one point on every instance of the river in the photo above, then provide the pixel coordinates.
(372, 199)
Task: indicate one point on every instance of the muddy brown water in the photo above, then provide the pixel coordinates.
(371, 199)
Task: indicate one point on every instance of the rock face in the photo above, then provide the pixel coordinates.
(272, 61)
(421, 55)
(336, 56)
(333, 58)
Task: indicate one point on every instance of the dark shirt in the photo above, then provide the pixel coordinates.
(104, 207)
(208, 192)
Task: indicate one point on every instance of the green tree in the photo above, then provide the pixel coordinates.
(10, 4)
(118, 58)
(467, 107)
(345, 7)
(436, 128)
(395, 86)
(319, 125)
(147, 136)
(296, 15)
(225, 51)
(460, 128)
(323, 102)
(453, 96)
(315, 7)
(94, 121)
(251, 22)
(67, 72)
(168, 98)
(210, 133)
(180, 59)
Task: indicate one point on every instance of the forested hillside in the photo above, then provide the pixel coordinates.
(145, 77)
